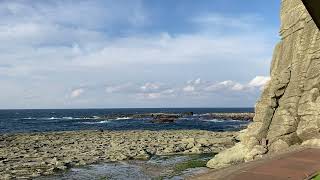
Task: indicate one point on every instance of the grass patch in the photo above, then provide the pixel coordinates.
(196, 161)
(189, 164)
(317, 177)
(203, 156)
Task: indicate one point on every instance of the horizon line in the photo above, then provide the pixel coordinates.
(129, 108)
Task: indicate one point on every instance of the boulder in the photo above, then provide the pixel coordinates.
(228, 157)
(278, 146)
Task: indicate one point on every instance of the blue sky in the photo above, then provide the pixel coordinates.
(135, 53)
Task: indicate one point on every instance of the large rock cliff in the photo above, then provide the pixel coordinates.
(288, 112)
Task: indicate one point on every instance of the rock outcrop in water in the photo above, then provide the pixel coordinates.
(288, 112)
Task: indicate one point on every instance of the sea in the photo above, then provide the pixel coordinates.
(51, 120)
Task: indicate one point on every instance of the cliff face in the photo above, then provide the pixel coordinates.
(288, 112)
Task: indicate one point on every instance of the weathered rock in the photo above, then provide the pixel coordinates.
(228, 157)
(288, 112)
(278, 146)
(256, 151)
(32, 155)
(142, 155)
(204, 142)
(312, 143)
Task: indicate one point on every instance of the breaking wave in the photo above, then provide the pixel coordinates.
(214, 120)
(62, 118)
(123, 118)
(99, 122)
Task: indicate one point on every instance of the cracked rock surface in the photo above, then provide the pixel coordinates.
(25, 156)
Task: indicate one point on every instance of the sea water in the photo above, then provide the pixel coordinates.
(17, 121)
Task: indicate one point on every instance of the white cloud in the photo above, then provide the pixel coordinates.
(120, 88)
(238, 87)
(92, 14)
(163, 94)
(192, 87)
(256, 83)
(246, 21)
(63, 41)
(189, 88)
(220, 85)
(150, 86)
(259, 81)
(180, 49)
(151, 95)
(97, 41)
(77, 93)
(197, 81)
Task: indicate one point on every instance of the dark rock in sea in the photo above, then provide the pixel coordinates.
(187, 114)
(171, 117)
(165, 118)
(231, 116)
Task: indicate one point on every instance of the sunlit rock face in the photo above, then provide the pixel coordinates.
(288, 111)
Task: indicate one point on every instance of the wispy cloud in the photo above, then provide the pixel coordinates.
(244, 22)
(77, 92)
(197, 87)
(259, 81)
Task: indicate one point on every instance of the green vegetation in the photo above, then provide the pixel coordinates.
(317, 177)
(196, 160)
(190, 164)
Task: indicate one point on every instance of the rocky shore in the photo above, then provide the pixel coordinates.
(38, 154)
(233, 116)
(172, 117)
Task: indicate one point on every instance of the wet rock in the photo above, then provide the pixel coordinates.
(165, 118)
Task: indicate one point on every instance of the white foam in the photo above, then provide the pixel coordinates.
(123, 118)
(99, 122)
(234, 120)
(53, 118)
(205, 114)
(214, 120)
(69, 118)
(29, 118)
